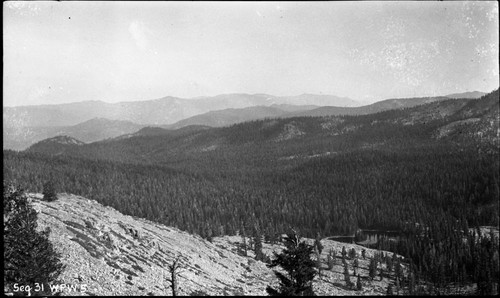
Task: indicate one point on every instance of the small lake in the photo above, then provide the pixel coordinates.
(344, 239)
(367, 237)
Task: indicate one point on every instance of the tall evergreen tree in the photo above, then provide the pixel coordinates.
(296, 260)
(243, 246)
(49, 192)
(257, 239)
(317, 243)
(372, 268)
(347, 279)
(29, 256)
(359, 285)
(331, 259)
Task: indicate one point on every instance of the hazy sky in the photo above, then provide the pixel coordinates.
(57, 52)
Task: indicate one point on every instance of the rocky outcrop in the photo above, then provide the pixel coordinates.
(109, 253)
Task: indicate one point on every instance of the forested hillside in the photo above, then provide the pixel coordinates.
(393, 170)
(270, 141)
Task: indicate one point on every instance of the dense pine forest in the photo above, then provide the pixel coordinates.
(329, 175)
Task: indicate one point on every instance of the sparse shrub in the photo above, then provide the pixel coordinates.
(29, 256)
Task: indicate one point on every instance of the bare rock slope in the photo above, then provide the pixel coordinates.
(108, 253)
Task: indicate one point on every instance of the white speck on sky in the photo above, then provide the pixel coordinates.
(58, 52)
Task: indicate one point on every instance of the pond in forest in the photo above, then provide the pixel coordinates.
(367, 237)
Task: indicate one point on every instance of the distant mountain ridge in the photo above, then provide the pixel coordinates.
(20, 131)
(56, 145)
(379, 106)
(471, 94)
(460, 120)
(231, 116)
(160, 131)
(162, 111)
(96, 129)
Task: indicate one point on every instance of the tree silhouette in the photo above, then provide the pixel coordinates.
(49, 192)
(257, 238)
(352, 253)
(372, 268)
(29, 256)
(317, 243)
(359, 285)
(347, 279)
(174, 270)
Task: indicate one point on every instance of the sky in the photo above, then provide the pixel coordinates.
(60, 52)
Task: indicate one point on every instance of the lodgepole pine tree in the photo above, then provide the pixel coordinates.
(359, 285)
(296, 260)
(372, 268)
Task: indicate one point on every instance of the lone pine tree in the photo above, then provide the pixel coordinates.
(174, 270)
(29, 256)
(372, 268)
(317, 243)
(347, 279)
(296, 260)
(259, 255)
(359, 285)
(331, 259)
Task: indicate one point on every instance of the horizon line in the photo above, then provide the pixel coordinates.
(238, 93)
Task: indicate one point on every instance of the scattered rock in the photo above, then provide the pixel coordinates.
(211, 273)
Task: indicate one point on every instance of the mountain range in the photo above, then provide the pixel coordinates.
(96, 129)
(166, 110)
(26, 125)
(231, 116)
(428, 171)
(442, 118)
